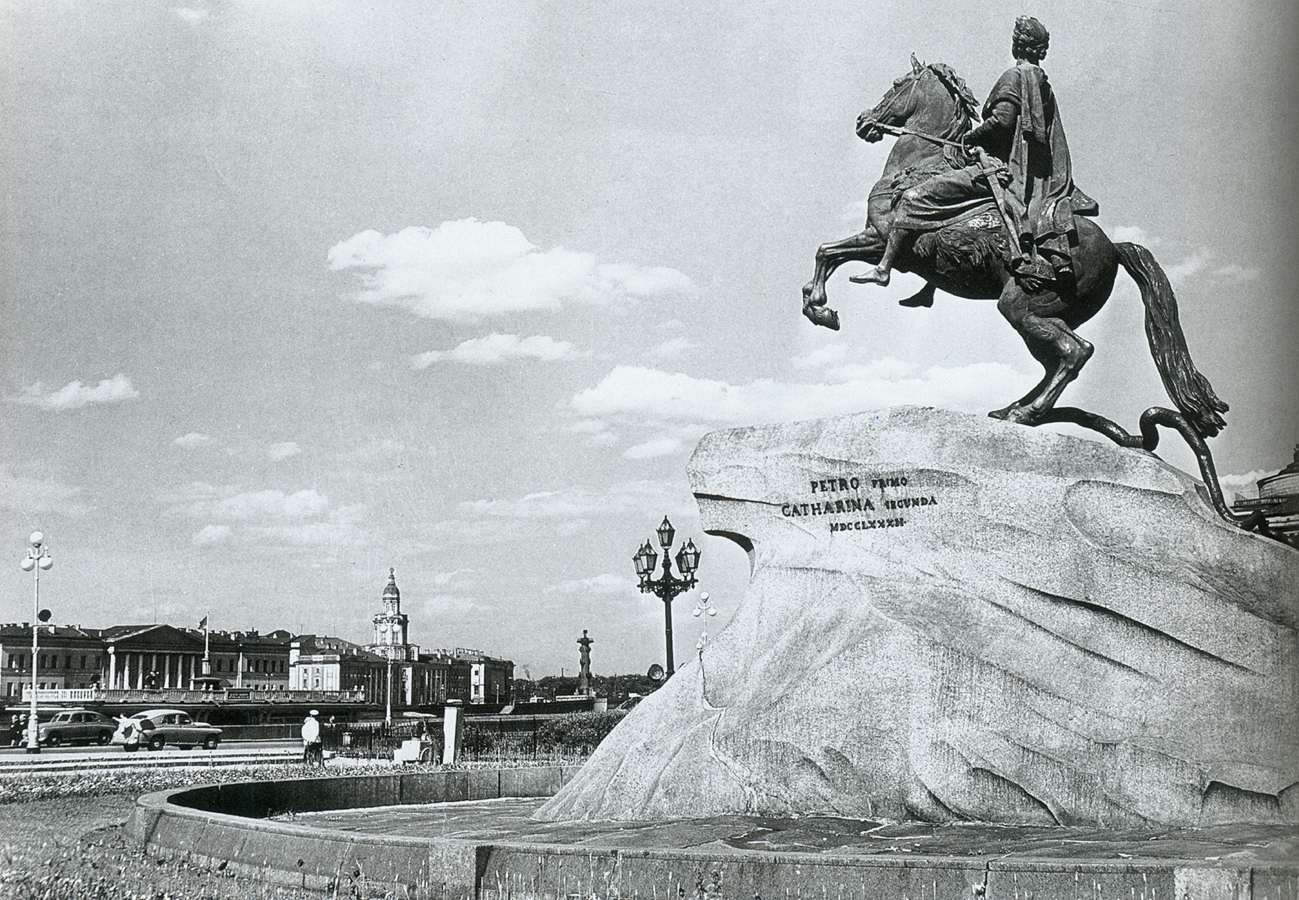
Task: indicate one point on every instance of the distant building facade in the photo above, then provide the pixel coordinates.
(491, 680)
(324, 663)
(161, 656)
(418, 678)
(1278, 501)
(138, 657)
(68, 657)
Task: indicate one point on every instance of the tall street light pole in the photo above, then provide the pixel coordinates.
(38, 559)
(393, 630)
(666, 587)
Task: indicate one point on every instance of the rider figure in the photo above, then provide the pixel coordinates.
(1021, 130)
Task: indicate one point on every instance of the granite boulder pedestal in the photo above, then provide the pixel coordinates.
(955, 618)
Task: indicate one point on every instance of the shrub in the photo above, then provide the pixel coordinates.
(577, 732)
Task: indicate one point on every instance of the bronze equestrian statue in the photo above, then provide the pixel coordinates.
(991, 213)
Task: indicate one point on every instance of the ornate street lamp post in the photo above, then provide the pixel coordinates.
(38, 559)
(666, 587)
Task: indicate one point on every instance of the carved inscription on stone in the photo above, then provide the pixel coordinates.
(863, 502)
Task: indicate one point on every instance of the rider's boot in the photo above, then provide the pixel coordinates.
(878, 275)
(899, 239)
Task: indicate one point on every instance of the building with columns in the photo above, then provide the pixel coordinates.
(160, 656)
(134, 657)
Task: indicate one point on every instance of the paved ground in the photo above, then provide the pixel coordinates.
(509, 820)
(18, 755)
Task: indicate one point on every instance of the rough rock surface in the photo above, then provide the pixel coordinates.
(1058, 631)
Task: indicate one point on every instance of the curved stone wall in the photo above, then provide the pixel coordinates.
(229, 824)
(226, 827)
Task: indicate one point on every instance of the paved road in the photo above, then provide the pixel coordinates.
(77, 759)
(14, 755)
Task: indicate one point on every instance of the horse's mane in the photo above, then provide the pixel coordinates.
(958, 88)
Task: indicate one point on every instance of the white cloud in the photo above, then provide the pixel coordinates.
(890, 368)
(468, 269)
(826, 355)
(376, 450)
(660, 446)
(192, 440)
(588, 426)
(442, 579)
(201, 500)
(597, 431)
(1236, 272)
(267, 518)
(575, 503)
(497, 348)
(190, 13)
(1192, 265)
(1244, 484)
(1131, 234)
(27, 495)
(605, 585)
(75, 395)
(210, 535)
(1245, 479)
(641, 392)
(672, 347)
(337, 528)
(283, 450)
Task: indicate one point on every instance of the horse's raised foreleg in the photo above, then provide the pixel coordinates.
(865, 246)
(1052, 342)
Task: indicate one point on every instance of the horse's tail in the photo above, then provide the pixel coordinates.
(1190, 391)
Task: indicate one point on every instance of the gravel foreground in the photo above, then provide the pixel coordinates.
(77, 849)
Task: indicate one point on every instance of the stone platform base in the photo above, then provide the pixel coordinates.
(952, 618)
(361, 837)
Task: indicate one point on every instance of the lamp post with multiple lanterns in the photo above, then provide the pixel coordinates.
(37, 560)
(666, 587)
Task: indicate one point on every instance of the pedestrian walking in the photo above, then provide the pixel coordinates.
(313, 751)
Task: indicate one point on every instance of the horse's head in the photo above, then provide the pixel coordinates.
(931, 98)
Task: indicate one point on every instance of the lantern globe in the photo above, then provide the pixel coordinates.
(691, 553)
(666, 533)
(28, 564)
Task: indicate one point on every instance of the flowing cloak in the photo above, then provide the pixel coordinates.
(1037, 153)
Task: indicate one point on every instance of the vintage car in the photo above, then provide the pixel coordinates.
(158, 728)
(76, 726)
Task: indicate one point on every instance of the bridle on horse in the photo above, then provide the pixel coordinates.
(915, 83)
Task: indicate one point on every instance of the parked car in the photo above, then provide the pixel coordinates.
(158, 728)
(76, 726)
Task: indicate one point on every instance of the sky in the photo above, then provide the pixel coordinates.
(295, 292)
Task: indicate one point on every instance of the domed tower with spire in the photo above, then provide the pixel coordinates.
(391, 625)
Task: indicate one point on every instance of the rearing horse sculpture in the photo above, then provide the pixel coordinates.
(970, 258)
